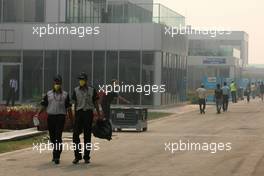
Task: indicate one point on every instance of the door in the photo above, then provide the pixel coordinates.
(8, 72)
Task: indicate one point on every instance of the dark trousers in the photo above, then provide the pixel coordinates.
(225, 102)
(218, 103)
(83, 123)
(106, 111)
(11, 97)
(202, 105)
(234, 98)
(55, 127)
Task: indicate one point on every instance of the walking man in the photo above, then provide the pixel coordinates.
(57, 104)
(253, 90)
(233, 88)
(13, 86)
(261, 89)
(248, 92)
(226, 92)
(109, 98)
(202, 98)
(218, 98)
(85, 99)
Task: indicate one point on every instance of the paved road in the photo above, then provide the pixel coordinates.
(143, 154)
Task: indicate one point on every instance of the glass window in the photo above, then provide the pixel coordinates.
(10, 56)
(64, 69)
(99, 65)
(174, 77)
(1, 10)
(81, 62)
(130, 73)
(118, 16)
(50, 69)
(164, 77)
(97, 12)
(178, 75)
(173, 70)
(88, 11)
(32, 75)
(148, 68)
(23, 10)
(224, 72)
(34, 10)
(111, 66)
(13, 10)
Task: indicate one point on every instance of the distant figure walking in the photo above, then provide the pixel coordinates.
(226, 92)
(202, 98)
(261, 89)
(218, 98)
(233, 88)
(253, 90)
(248, 92)
(13, 86)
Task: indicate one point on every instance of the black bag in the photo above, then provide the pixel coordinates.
(102, 129)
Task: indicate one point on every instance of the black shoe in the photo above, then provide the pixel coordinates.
(86, 161)
(52, 160)
(56, 161)
(75, 161)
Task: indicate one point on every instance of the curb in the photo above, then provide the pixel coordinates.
(22, 136)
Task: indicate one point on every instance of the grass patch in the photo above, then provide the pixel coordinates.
(157, 115)
(8, 146)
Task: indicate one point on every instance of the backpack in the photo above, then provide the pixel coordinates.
(102, 129)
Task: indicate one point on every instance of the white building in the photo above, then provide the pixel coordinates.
(131, 46)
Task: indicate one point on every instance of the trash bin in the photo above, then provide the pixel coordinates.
(129, 118)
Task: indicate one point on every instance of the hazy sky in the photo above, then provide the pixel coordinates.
(246, 15)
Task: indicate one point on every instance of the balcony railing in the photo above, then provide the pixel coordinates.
(123, 12)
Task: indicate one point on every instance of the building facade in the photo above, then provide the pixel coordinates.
(125, 41)
(222, 56)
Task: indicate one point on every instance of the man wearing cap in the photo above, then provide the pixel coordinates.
(85, 99)
(57, 104)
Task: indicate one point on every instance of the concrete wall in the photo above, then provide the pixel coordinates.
(111, 37)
